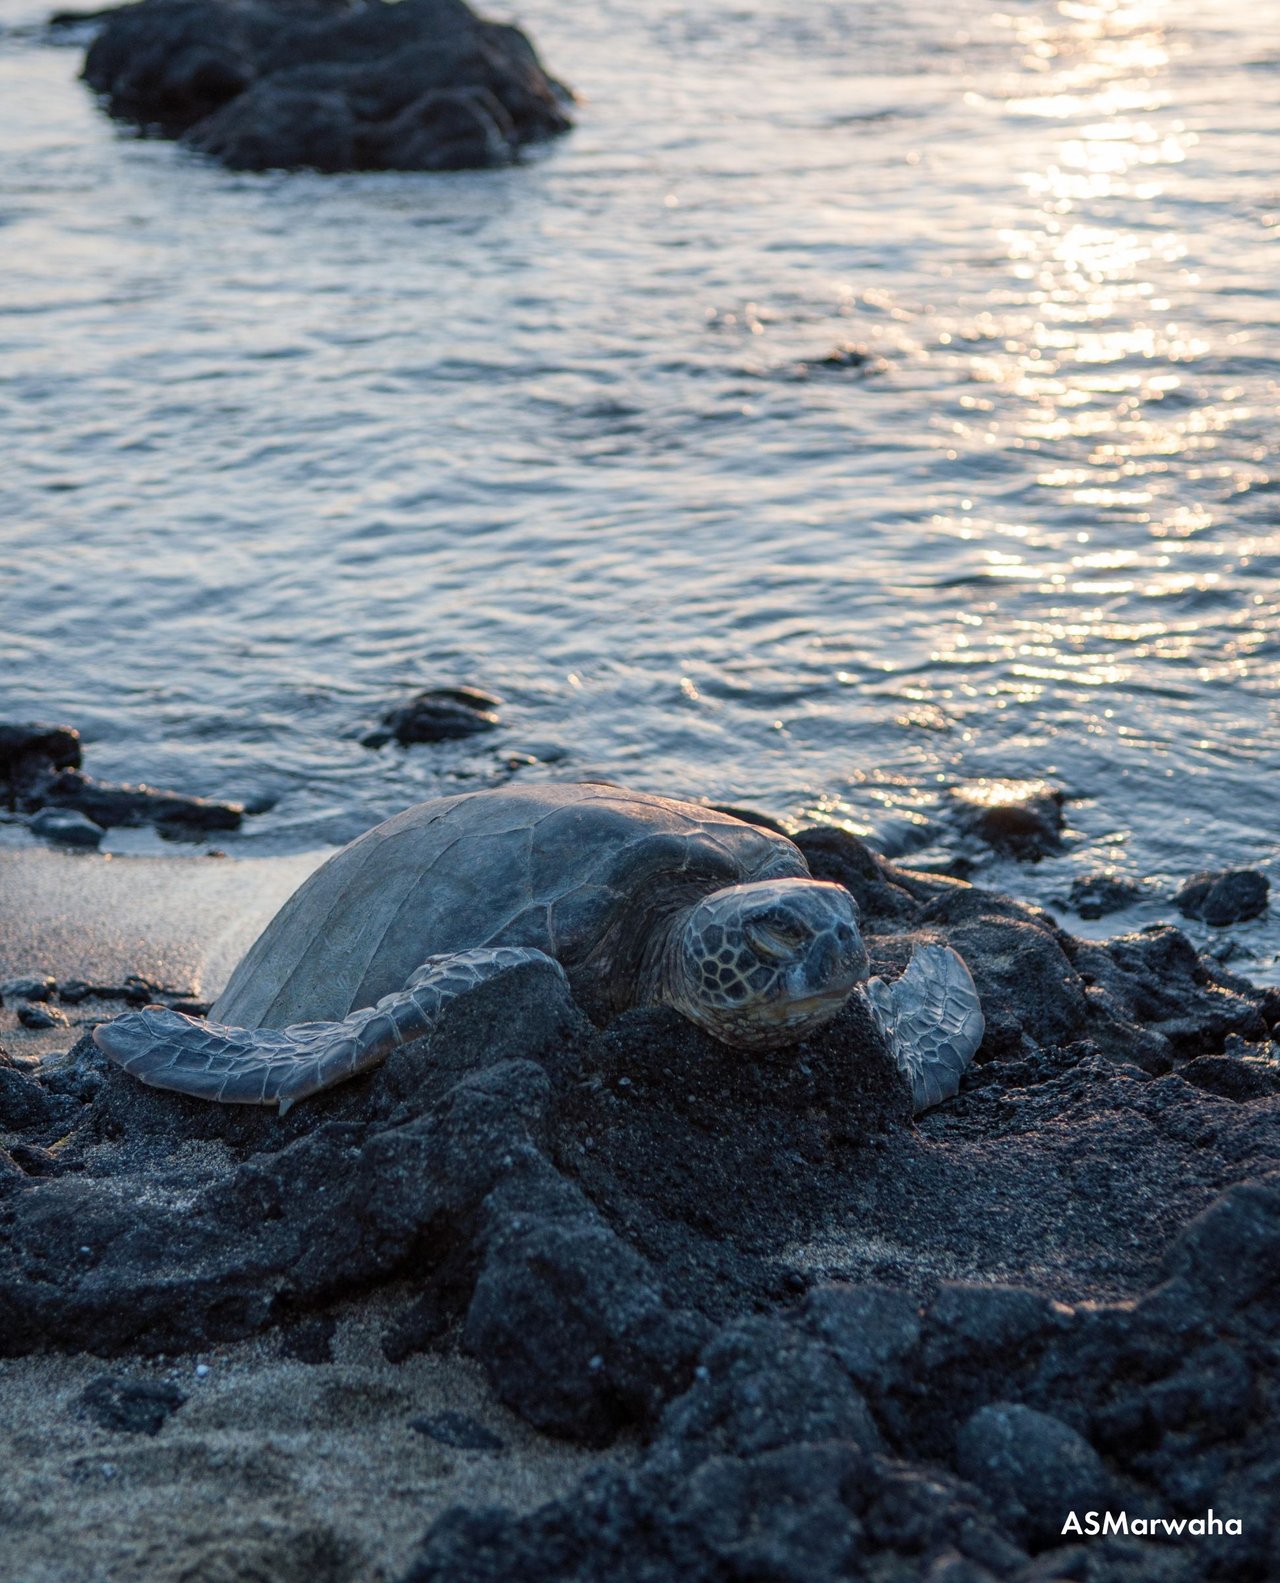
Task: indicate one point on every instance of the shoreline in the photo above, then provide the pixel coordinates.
(182, 921)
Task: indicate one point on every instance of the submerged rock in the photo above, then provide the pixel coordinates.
(439, 714)
(327, 85)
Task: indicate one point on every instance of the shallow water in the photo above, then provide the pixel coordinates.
(280, 449)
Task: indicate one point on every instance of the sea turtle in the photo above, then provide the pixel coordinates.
(639, 899)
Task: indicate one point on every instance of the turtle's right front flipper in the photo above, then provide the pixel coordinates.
(269, 1066)
(932, 1020)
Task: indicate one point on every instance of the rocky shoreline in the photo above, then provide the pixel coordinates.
(796, 1333)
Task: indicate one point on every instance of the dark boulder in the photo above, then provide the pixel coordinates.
(274, 125)
(1228, 896)
(28, 752)
(569, 1321)
(327, 85)
(763, 1384)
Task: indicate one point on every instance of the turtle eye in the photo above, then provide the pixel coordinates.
(774, 938)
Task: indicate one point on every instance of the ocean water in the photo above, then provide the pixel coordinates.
(278, 450)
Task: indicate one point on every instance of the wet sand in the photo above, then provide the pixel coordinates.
(182, 922)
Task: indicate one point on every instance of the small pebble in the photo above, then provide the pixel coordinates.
(39, 1017)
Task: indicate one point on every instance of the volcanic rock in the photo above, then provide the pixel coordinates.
(327, 85)
(1224, 897)
(440, 714)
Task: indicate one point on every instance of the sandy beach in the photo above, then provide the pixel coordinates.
(272, 1470)
(181, 922)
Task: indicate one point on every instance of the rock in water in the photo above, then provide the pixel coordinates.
(1021, 819)
(29, 751)
(327, 84)
(440, 714)
(1097, 895)
(108, 804)
(67, 827)
(1227, 897)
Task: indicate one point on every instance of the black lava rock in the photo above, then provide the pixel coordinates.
(38, 1017)
(1021, 819)
(322, 85)
(66, 827)
(29, 752)
(135, 1407)
(1034, 1469)
(440, 714)
(27, 1107)
(761, 1385)
(1096, 895)
(32, 987)
(1224, 897)
(109, 804)
(571, 1323)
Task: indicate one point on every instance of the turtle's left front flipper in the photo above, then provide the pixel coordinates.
(932, 1019)
(269, 1066)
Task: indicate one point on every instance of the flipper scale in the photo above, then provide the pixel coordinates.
(932, 1020)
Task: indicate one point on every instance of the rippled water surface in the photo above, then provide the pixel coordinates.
(279, 449)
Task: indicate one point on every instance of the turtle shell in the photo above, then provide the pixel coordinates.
(584, 872)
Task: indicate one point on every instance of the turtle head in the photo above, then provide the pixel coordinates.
(765, 964)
